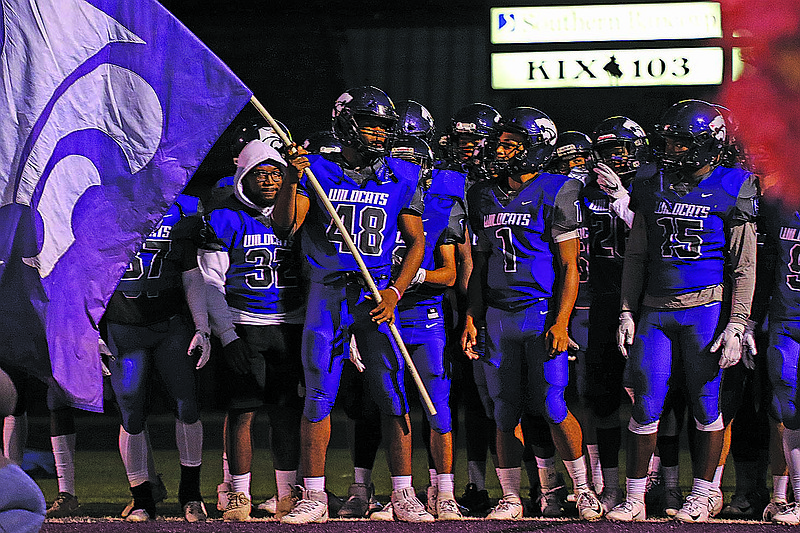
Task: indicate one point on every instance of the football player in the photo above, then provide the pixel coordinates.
(525, 281)
(374, 196)
(156, 320)
(256, 306)
(693, 220)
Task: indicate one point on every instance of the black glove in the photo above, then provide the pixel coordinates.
(237, 355)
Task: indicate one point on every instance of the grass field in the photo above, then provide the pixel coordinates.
(102, 487)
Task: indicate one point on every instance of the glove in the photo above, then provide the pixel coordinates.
(200, 348)
(355, 355)
(609, 182)
(419, 278)
(730, 340)
(749, 345)
(104, 352)
(625, 331)
(237, 355)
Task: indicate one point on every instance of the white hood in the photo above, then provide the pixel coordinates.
(255, 153)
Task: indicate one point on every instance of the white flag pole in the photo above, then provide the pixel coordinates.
(353, 250)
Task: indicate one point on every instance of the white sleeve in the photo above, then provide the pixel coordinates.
(194, 287)
(214, 266)
(621, 209)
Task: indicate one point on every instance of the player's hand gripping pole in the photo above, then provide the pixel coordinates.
(353, 250)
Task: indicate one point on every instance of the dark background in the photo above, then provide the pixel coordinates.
(298, 58)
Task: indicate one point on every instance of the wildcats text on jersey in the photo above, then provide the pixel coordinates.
(161, 232)
(683, 210)
(506, 219)
(262, 239)
(358, 196)
(790, 234)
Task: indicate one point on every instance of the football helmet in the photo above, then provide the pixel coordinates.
(621, 132)
(569, 146)
(323, 142)
(539, 140)
(699, 125)
(734, 153)
(470, 131)
(415, 120)
(416, 150)
(355, 105)
(258, 129)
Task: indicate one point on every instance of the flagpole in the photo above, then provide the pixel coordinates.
(356, 254)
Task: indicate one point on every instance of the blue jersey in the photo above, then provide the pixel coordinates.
(782, 227)
(519, 236)
(444, 222)
(263, 277)
(686, 233)
(369, 203)
(607, 236)
(151, 289)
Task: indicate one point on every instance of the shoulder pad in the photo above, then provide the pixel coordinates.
(188, 205)
(448, 183)
(732, 180)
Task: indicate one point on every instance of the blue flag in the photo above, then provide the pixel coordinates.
(109, 106)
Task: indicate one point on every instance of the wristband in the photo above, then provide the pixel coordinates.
(396, 291)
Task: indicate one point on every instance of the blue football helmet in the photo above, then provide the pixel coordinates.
(621, 132)
(477, 122)
(539, 140)
(698, 124)
(324, 143)
(358, 103)
(417, 151)
(415, 120)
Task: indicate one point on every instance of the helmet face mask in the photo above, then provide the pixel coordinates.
(415, 120)
(364, 118)
(469, 135)
(537, 135)
(415, 150)
(622, 144)
(694, 136)
(573, 150)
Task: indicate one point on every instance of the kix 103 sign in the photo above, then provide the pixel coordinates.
(608, 68)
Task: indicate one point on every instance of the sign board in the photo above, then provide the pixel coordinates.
(614, 22)
(608, 68)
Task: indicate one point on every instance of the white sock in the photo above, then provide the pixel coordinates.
(285, 480)
(241, 483)
(672, 476)
(134, 453)
(702, 487)
(401, 482)
(362, 475)
(593, 452)
(447, 483)
(577, 471)
(780, 486)
(791, 449)
(510, 480)
(226, 469)
(64, 454)
(433, 476)
(189, 438)
(476, 473)
(15, 435)
(314, 483)
(636, 488)
(718, 476)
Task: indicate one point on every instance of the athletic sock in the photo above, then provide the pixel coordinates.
(134, 452)
(314, 483)
(15, 435)
(189, 489)
(593, 453)
(510, 480)
(446, 483)
(636, 488)
(476, 473)
(189, 438)
(401, 482)
(285, 481)
(241, 483)
(362, 475)
(577, 471)
(64, 455)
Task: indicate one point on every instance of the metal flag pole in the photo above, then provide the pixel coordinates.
(353, 250)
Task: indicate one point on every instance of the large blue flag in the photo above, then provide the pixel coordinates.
(109, 106)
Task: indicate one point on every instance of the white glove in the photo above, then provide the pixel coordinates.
(200, 347)
(355, 356)
(609, 182)
(625, 331)
(730, 340)
(419, 278)
(104, 350)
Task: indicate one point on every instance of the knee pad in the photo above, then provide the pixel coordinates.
(716, 425)
(642, 429)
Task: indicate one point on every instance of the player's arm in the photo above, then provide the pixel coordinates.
(410, 226)
(633, 267)
(476, 307)
(464, 263)
(445, 273)
(567, 279)
(291, 206)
